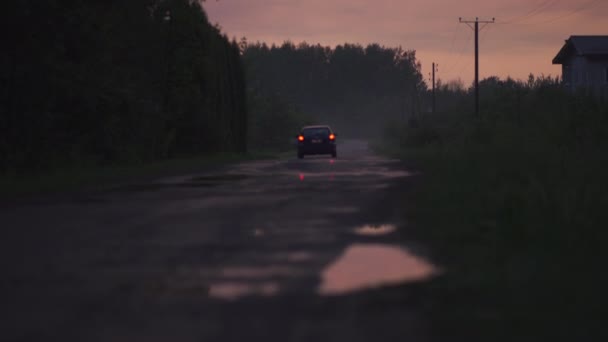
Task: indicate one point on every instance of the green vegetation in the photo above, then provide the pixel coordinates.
(354, 89)
(273, 123)
(514, 205)
(98, 83)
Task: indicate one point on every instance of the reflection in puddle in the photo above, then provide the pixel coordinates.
(235, 282)
(370, 230)
(232, 291)
(364, 266)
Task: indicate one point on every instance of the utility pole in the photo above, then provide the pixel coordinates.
(476, 29)
(435, 68)
(168, 19)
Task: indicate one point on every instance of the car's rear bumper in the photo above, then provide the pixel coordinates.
(317, 148)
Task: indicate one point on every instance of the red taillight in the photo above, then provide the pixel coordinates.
(332, 137)
(301, 138)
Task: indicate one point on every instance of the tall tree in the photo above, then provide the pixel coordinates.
(115, 81)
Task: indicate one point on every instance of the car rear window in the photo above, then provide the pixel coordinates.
(319, 131)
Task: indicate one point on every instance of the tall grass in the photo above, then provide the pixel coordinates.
(516, 205)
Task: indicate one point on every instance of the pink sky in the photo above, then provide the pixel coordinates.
(526, 37)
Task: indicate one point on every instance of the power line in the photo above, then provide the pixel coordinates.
(466, 67)
(453, 40)
(582, 8)
(484, 33)
(452, 45)
(455, 32)
(586, 6)
(545, 5)
(458, 59)
(450, 69)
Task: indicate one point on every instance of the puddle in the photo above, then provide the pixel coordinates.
(378, 230)
(365, 266)
(231, 283)
(233, 291)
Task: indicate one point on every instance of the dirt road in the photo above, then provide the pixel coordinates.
(285, 250)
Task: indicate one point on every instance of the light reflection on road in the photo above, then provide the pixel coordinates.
(233, 291)
(365, 266)
(378, 230)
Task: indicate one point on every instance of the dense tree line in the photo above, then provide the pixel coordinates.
(115, 81)
(355, 88)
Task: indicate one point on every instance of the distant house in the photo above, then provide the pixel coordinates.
(584, 61)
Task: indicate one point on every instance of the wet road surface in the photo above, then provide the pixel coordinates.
(287, 250)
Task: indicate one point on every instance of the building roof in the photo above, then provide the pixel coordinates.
(582, 46)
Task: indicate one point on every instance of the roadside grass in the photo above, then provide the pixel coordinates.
(516, 212)
(101, 177)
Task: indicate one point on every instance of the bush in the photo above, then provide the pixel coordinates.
(516, 204)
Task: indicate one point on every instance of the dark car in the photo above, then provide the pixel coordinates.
(317, 140)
